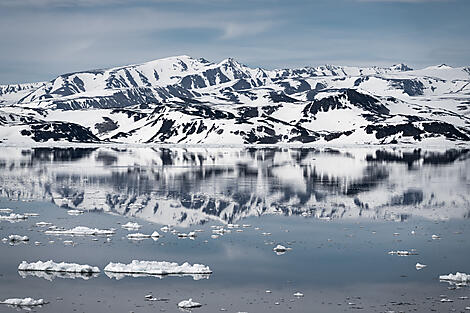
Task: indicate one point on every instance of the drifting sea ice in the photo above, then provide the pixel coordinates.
(157, 268)
(43, 224)
(189, 304)
(50, 266)
(138, 236)
(23, 302)
(457, 277)
(81, 231)
(16, 238)
(279, 248)
(50, 276)
(401, 253)
(13, 217)
(7, 210)
(131, 226)
(420, 266)
(74, 212)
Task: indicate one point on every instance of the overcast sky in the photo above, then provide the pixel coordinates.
(40, 39)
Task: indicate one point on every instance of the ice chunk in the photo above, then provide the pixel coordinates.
(155, 234)
(13, 217)
(81, 231)
(434, 237)
(420, 266)
(7, 210)
(298, 294)
(457, 277)
(23, 302)
(157, 268)
(43, 224)
(137, 236)
(189, 304)
(16, 238)
(401, 253)
(74, 212)
(31, 214)
(50, 266)
(131, 226)
(279, 248)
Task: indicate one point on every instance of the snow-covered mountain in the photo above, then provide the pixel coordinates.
(192, 101)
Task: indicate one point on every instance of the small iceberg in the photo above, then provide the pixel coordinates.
(18, 238)
(43, 224)
(401, 253)
(279, 248)
(50, 266)
(189, 304)
(435, 237)
(23, 302)
(298, 294)
(157, 268)
(137, 236)
(7, 210)
(13, 217)
(420, 266)
(81, 231)
(74, 212)
(131, 226)
(458, 277)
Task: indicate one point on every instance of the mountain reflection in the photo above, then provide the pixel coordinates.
(187, 186)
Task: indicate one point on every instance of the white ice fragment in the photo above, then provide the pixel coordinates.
(279, 248)
(246, 225)
(298, 294)
(7, 210)
(157, 268)
(446, 300)
(265, 234)
(13, 217)
(31, 214)
(165, 229)
(434, 237)
(189, 304)
(23, 302)
(457, 277)
(155, 234)
(131, 226)
(68, 242)
(16, 238)
(413, 232)
(51, 266)
(74, 212)
(192, 234)
(401, 253)
(43, 224)
(420, 266)
(137, 236)
(268, 291)
(81, 231)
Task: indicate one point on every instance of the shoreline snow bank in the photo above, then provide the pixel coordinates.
(157, 268)
(81, 231)
(51, 266)
(23, 302)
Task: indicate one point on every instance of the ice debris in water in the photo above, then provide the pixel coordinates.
(137, 236)
(23, 302)
(279, 248)
(43, 224)
(131, 225)
(74, 212)
(434, 237)
(157, 268)
(15, 238)
(298, 294)
(420, 266)
(81, 231)
(7, 210)
(31, 214)
(50, 266)
(402, 253)
(457, 277)
(13, 216)
(189, 304)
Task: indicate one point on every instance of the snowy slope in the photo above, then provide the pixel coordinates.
(194, 101)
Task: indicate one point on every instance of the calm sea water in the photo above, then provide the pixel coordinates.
(339, 211)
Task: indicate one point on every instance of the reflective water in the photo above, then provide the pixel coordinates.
(340, 212)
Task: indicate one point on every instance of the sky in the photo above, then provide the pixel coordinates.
(41, 39)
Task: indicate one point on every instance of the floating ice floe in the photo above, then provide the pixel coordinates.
(50, 266)
(298, 294)
(23, 302)
(189, 304)
(74, 212)
(434, 237)
(279, 248)
(131, 226)
(457, 278)
(420, 266)
(137, 236)
(446, 300)
(165, 229)
(13, 217)
(81, 231)
(50, 276)
(43, 224)
(17, 238)
(31, 214)
(157, 268)
(7, 210)
(402, 252)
